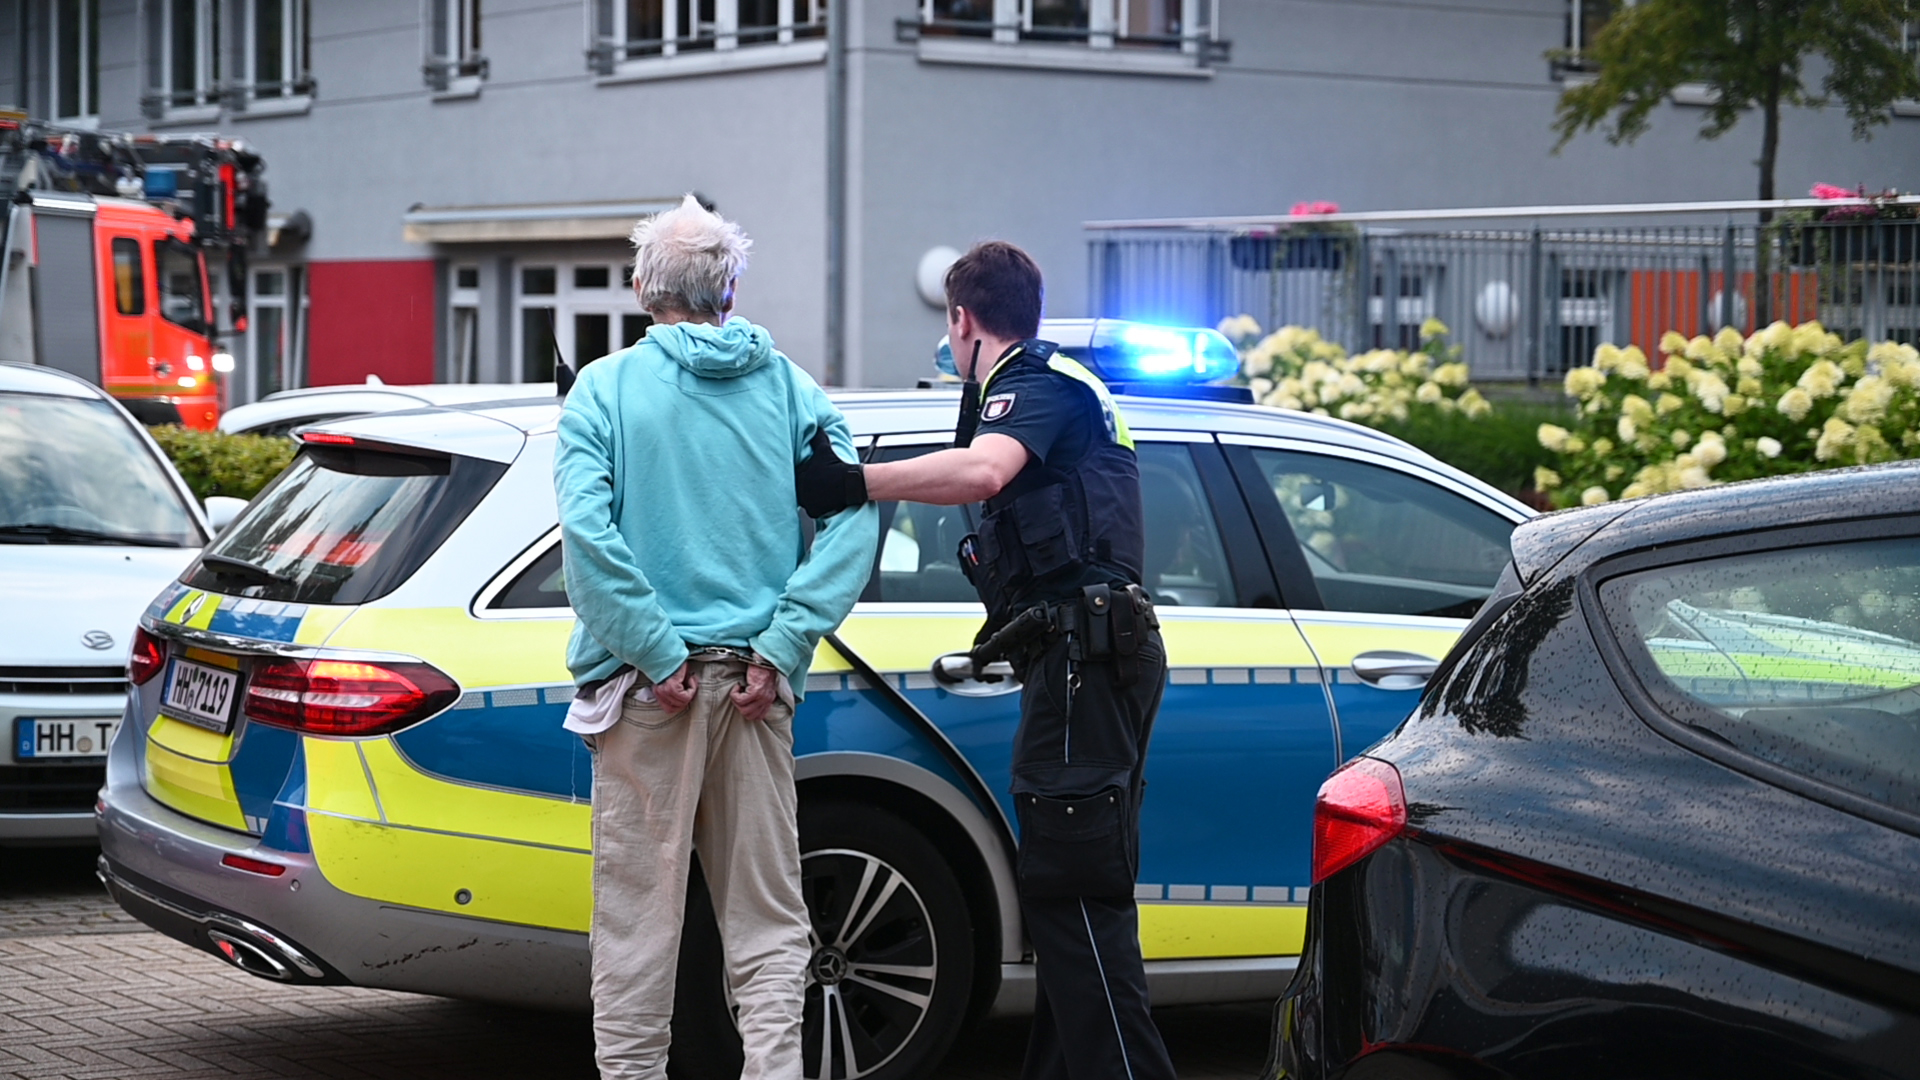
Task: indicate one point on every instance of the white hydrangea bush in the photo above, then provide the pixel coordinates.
(1786, 399)
(1295, 368)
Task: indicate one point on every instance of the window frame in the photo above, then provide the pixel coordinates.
(1253, 584)
(458, 70)
(87, 59)
(1298, 588)
(227, 61)
(464, 304)
(797, 37)
(136, 282)
(295, 86)
(205, 324)
(482, 604)
(566, 301)
(1620, 664)
(260, 297)
(161, 100)
(1910, 44)
(1012, 38)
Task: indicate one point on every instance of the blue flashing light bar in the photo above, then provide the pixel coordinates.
(1142, 358)
(1141, 353)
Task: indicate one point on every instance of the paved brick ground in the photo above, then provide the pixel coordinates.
(86, 992)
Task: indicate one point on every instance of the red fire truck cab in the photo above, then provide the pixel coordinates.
(114, 287)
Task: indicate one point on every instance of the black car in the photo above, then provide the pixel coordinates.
(1656, 815)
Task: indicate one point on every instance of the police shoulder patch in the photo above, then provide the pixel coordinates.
(996, 407)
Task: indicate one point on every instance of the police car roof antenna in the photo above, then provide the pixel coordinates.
(969, 402)
(969, 421)
(563, 373)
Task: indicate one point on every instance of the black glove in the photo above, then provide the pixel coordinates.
(824, 485)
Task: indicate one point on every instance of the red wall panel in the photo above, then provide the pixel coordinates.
(370, 318)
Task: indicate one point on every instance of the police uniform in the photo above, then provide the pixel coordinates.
(1060, 551)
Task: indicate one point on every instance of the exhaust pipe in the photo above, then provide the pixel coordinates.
(258, 951)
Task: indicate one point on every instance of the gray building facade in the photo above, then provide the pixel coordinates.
(453, 179)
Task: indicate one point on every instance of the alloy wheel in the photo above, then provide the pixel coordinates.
(870, 981)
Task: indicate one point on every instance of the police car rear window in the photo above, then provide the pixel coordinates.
(344, 525)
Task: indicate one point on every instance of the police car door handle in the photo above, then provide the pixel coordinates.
(954, 671)
(1392, 670)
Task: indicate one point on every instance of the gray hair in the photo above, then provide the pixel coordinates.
(687, 259)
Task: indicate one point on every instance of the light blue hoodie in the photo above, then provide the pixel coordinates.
(675, 480)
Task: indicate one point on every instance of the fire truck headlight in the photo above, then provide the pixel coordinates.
(223, 361)
(194, 363)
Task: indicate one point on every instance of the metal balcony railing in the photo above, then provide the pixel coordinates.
(1528, 291)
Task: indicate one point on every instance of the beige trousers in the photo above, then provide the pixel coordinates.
(704, 778)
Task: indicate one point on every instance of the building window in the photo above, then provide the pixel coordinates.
(463, 326)
(183, 58)
(276, 51)
(1585, 20)
(248, 54)
(627, 30)
(574, 312)
(76, 59)
(276, 332)
(454, 64)
(1188, 26)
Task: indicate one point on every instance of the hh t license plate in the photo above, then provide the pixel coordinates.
(200, 694)
(67, 737)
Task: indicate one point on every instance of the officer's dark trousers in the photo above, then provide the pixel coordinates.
(1079, 756)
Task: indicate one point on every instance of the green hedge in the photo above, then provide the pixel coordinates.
(216, 463)
(1501, 448)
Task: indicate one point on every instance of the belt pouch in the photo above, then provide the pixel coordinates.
(1078, 845)
(1097, 604)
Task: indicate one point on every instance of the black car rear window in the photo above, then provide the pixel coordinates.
(344, 525)
(1806, 658)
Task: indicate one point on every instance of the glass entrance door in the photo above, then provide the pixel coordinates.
(577, 311)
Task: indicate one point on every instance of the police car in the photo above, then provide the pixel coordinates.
(343, 759)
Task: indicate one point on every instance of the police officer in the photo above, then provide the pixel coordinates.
(1057, 560)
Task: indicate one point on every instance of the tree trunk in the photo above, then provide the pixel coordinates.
(1763, 236)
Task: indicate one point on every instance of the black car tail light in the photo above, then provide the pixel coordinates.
(346, 698)
(147, 658)
(1359, 808)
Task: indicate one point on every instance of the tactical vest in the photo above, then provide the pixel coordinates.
(1060, 525)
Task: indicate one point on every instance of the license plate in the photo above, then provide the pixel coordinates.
(200, 694)
(67, 737)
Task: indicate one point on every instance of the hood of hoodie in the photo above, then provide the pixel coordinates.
(727, 351)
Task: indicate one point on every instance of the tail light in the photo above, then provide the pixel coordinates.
(342, 697)
(147, 658)
(253, 866)
(1360, 807)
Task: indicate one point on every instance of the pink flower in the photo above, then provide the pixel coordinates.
(1829, 191)
(1305, 209)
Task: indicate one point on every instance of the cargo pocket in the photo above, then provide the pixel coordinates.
(1075, 846)
(1047, 532)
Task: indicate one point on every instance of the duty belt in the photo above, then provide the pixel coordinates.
(1103, 623)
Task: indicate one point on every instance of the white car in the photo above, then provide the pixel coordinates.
(280, 413)
(93, 521)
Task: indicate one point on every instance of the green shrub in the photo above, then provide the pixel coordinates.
(216, 463)
(1787, 399)
(1501, 448)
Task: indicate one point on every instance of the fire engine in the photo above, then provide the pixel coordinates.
(104, 248)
